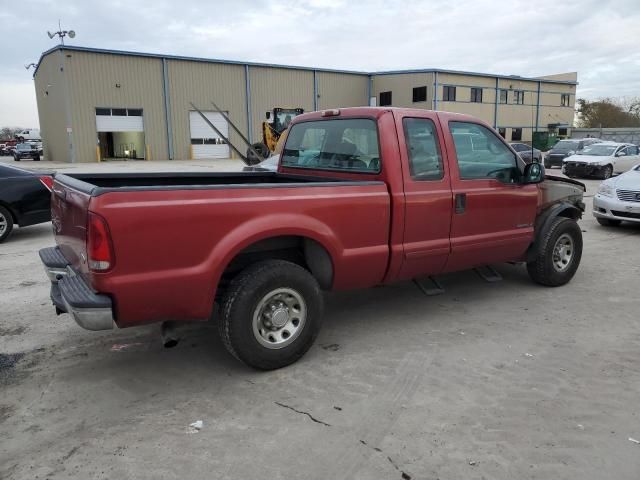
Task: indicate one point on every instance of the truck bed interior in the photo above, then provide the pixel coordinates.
(191, 179)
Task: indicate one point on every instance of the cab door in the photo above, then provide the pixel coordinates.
(427, 195)
(493, 212)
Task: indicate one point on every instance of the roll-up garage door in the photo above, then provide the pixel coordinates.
(205, 141)
(119, 120)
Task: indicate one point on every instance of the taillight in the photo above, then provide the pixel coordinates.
(99, 248)
(47, 181)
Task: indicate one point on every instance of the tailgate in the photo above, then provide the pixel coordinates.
(69, 209)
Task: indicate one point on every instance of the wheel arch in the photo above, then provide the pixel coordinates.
(545, 219)
(12, 212)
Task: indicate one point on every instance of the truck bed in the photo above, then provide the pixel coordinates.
(174, 235)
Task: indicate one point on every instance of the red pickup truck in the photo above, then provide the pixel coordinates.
(362, 197)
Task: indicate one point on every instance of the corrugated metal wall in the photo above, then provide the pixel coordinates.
(50, 96)
(93, 80)
(342, 90)
(278, 87)
(401, 87)
(201, 83)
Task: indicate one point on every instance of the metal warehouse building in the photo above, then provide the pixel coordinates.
(96, 104)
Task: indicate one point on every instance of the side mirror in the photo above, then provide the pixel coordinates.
(621, 154)
(533, 173)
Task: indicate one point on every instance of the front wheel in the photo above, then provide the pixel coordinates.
(559, 253)
(16, 158)
(36, 159)
(6, 223)
(271, 314)
(606, 172)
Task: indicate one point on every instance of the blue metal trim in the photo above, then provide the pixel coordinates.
(167, 107)
(293, 67)
(315, 91)
(247, 88)
(495, 108)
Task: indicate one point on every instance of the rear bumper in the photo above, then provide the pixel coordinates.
(71, 294)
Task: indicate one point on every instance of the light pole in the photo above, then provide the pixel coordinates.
(62, 33)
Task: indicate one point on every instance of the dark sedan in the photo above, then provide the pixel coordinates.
(527, 153)
(24, 199)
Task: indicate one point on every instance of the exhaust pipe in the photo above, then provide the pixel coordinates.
(169, 334)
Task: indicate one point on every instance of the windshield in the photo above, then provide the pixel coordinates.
(23, 146)
(565, 146)
(599, 150)
(337, 144)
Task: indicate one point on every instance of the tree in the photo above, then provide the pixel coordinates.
(7, 133)
(609, 112)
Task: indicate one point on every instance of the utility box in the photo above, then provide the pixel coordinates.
(544, 140)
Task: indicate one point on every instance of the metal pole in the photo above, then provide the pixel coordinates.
(236, 129)
(495, 110)
(435, 91)
(315, 90)
(247, 88)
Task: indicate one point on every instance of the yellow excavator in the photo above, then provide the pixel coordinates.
(276, 123)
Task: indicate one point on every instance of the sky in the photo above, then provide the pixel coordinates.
(598, 39)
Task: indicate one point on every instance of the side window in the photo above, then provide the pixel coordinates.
(425, 162)
(481, 154)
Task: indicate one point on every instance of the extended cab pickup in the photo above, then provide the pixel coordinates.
(362, 197)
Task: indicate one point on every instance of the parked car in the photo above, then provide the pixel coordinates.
(267, 165)
(356, 202)
(618, 199)
(564, 149)
(24, 199)
(601, 160)
(28, 134)
(26, 150)
(527, 153)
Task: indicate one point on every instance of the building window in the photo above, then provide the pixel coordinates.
(449, 93)
(120, 112)
(564, 99)
(103, 111)
(503, 132)
(385, 99)
(134, 112)
(476, 95)
(518, 97)
(504, 96)
(419, 94)
(562, 132)
(516, 134)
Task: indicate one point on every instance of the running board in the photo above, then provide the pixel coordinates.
(488, 273)
(429, 286)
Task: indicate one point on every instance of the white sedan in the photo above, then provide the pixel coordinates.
(601, 160)
(618, 199)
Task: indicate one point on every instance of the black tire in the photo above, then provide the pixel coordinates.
(607, 222)
(6, 221)
(547, 164)
(244, 296)
(16, 158)
(261, 149)
(606, 172)
(37, 159)
(542, 270)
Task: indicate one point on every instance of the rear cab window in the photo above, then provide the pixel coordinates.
(338, 144)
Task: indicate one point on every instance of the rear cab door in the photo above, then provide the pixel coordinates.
(427, 193)
(493, 213)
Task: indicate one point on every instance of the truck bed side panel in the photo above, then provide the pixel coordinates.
(171, 247)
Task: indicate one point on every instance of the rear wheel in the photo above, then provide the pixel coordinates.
(271, 314)
(606, 172)
(559, 253)
(547, 164)
(261, 149)
(607, 222)
(16, 158)
(37, 159)
(6, 223)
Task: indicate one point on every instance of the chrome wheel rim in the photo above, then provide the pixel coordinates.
(563, 252)
(3, 224)
(279, 318)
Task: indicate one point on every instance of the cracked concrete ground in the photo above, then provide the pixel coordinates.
(504, 380)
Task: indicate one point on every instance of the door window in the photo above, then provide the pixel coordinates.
(481, 154)
(425, 162)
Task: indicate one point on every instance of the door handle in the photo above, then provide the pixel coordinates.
(461, 202)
